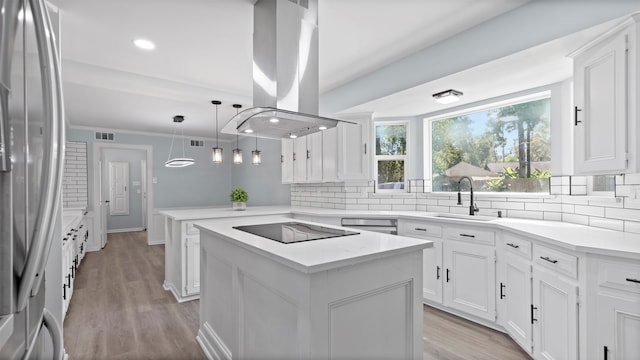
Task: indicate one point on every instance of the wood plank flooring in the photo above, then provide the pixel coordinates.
(119, 310)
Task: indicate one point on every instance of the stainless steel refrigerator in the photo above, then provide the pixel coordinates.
(31, 155)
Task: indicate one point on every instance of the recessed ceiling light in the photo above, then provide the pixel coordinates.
(144, 44)
(248, 131)
(274, 120)
(322, 127)
(293, 136)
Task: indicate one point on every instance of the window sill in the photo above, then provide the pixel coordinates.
(392, 194)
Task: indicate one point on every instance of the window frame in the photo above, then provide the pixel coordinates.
(471, 108)
(406, 157)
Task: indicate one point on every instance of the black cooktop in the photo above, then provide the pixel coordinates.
(292, 232)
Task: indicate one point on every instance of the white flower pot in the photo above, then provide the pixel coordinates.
(237, 205)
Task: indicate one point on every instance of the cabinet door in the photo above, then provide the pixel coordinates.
(619, 326)
(432, 272)
(515, 297)
(470, 278)
(192, 271)
(353, 150)
(330, 155)
(300, 159)
(600, 81)
(314, 157)
(287, 161)
(554, 313)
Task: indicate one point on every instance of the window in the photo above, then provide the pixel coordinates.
(503, 148)
(391, 155)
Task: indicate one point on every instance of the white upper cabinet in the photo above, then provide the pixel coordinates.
(605, 113)
(314, 157)
(354, 148)
(300, 159)
(287, 161)
(330, 155)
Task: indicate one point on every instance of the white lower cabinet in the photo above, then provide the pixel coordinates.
(554, 315)
(192, 271)
(432, 272)
(515, 300)
(616, 293)
(469, 278)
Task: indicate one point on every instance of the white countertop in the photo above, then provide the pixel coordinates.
(70, 218)
(566, 235)
(317, 255)
(223, 212)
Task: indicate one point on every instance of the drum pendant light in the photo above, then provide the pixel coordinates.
(216, 155)
(256, 156)
(237, 153)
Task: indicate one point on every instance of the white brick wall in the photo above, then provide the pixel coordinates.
(620, 213)
(74, 184)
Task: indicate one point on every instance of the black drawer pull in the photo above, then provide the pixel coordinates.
(437, 272)
(513, 245)
(467, 235)
(501, 291)
(447, 275)
(633, 280)
(533, 319)
(64, 291)
(606, 353)
(549, 260)
(420, 229)
(575, 116)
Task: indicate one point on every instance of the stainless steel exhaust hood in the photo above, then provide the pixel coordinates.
(285, 72)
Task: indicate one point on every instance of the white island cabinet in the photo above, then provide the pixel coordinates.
(349, 297)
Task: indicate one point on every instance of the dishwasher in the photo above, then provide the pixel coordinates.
(381, 225)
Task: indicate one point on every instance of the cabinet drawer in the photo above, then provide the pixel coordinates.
(191, 230)
(421, 229)
(558, 261)
(517, 245)
(619, 275)
(470, 235)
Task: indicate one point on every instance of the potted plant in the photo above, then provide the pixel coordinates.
(239, 199)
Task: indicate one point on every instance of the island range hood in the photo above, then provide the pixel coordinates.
(285, 73)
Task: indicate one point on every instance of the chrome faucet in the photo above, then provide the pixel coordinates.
(473, 209)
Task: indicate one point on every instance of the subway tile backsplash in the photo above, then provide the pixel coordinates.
(74, 183)
(567, 202)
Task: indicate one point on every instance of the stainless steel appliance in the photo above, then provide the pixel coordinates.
(387, 226)
(31, 155)
(292, 232)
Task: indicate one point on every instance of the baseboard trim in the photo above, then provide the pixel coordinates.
(124, 230)
(155, 242)
(472, 318)
(211, 343)
(176, 294)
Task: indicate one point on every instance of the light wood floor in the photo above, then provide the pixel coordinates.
(119, 310)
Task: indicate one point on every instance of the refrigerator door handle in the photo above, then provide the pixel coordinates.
(48, 321)
(53, 157)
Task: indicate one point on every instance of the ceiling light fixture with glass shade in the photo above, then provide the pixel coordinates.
(237, 153)
(216, 155)
(447, 96)
(256, 156)
(144, 44)
(178, 161)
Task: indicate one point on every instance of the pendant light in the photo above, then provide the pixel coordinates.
(183, 161)
(216, 155)
(237, 153)
(256, 157)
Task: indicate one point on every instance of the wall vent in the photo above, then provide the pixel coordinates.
(105, 136)
(197, 143)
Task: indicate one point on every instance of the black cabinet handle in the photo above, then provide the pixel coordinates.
(420, 229)
(533, 319)
(501, 291)
(633, 280)
(467, 235)
(606, 352)
(294, 156)
(545, 258)
(68, 280)
(447, 275)
(73, 272)
(513, 245)
(282, 158)
(575, 116)
(64, 291)
(437, 272)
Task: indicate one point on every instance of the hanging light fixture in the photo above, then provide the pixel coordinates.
(256, 157)
(183, 161)
(237, 153)
(216, 156)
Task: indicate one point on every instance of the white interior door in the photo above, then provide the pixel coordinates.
(119, 188)
(143, 176)
(104, 205)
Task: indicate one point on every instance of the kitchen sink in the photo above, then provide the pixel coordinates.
(464, 217)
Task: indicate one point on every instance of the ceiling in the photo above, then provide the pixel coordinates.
(204, 52)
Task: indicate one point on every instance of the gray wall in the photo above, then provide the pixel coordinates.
(202, 184)
(134, 157)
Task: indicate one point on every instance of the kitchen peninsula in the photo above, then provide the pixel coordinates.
(354, 296)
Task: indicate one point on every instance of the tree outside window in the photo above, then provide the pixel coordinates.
(391, 152)
(503, 149)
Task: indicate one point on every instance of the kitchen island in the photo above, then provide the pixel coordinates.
(356, 296)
